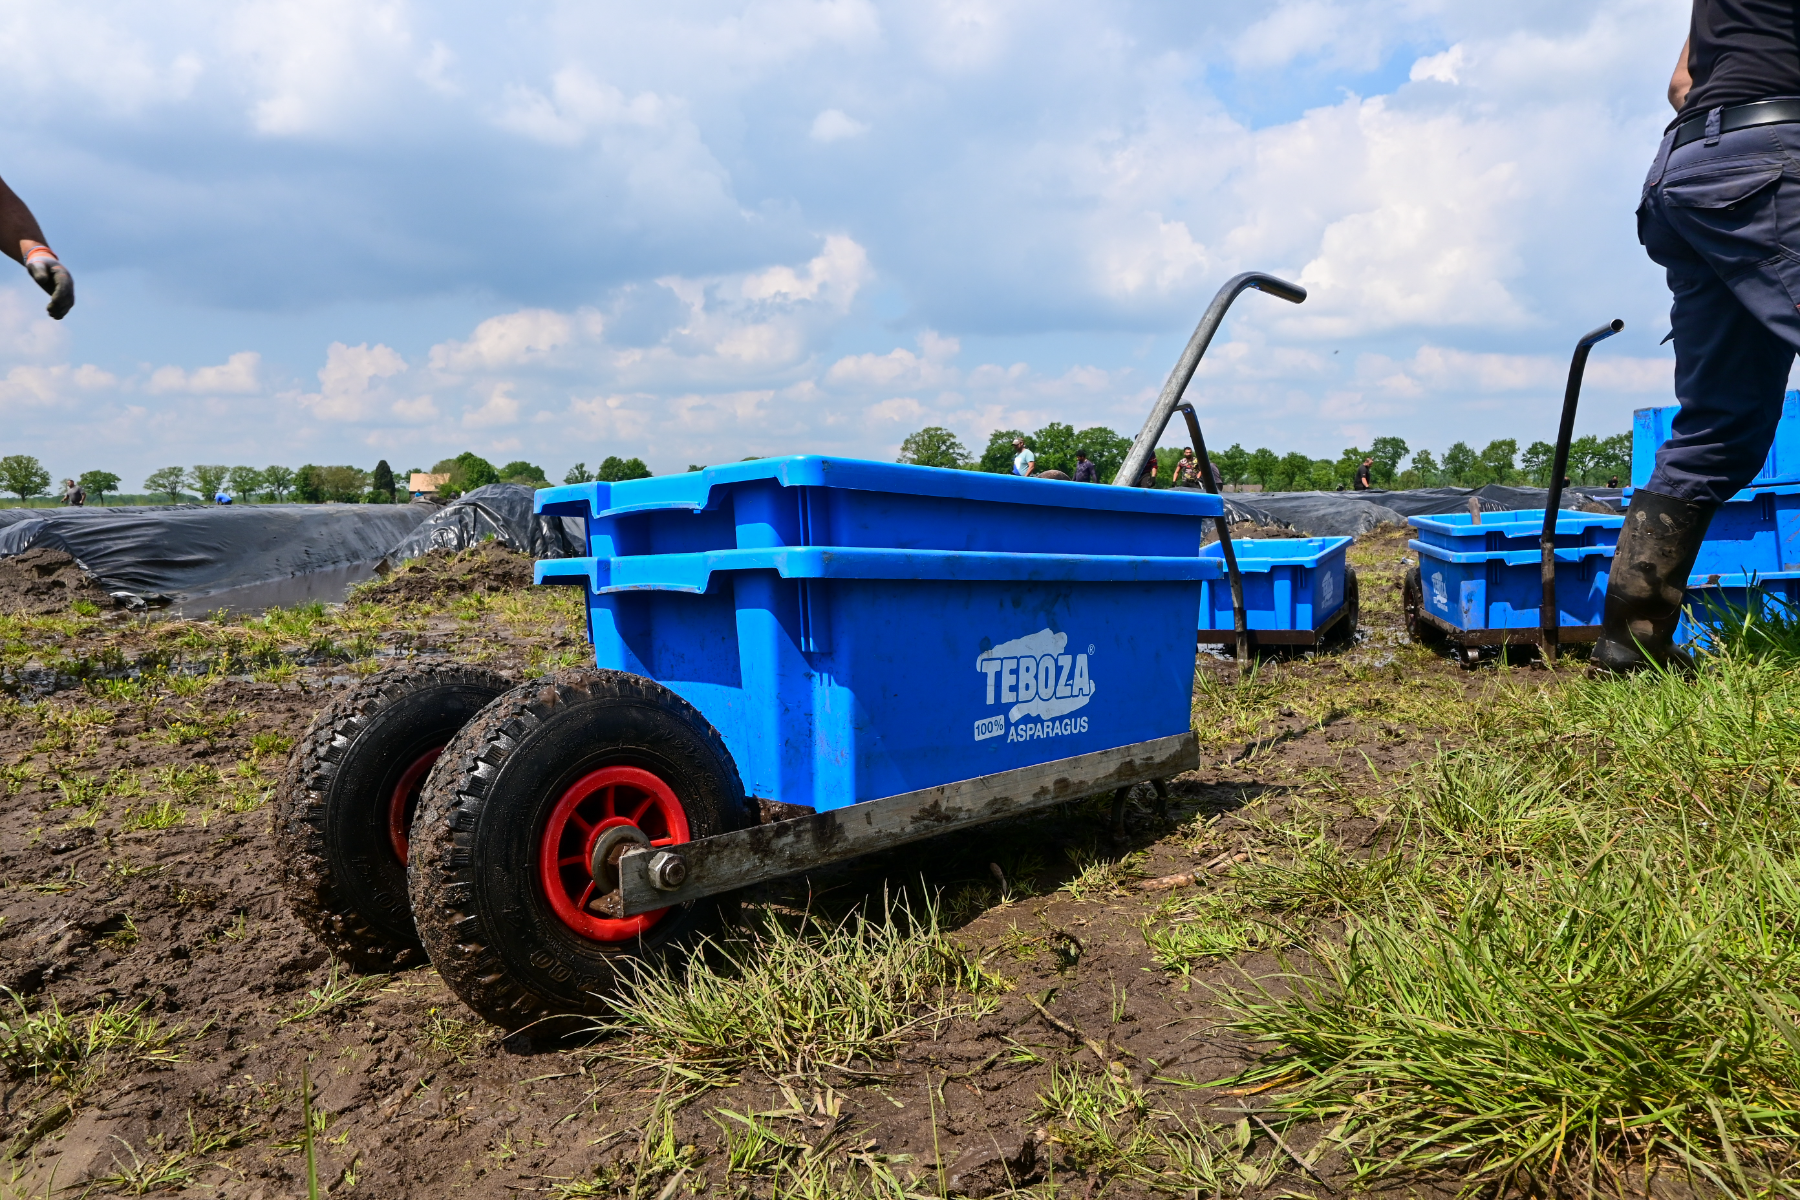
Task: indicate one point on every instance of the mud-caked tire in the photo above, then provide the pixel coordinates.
(499, 872)
(1344, 632)
(1419, 627)
(344, 807)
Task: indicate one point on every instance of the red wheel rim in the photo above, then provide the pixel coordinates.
(596, 802)
(405, 801)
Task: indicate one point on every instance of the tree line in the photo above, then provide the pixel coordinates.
(1592, 460)
(24, 476)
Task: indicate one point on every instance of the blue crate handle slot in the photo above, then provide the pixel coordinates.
(693, 572)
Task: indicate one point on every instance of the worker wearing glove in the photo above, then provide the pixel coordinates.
(23, 242)
(1720, 212)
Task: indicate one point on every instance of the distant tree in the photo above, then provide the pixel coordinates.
(23, 475)
(1232, 464)
(381, 483)
(1265, 467)
(520, 471)
(345, 485)
(934, 446)
(309, 488)
(1497, 460)
(617, 470)
(1166, 458)
(1614, 458)
(1054, 446)
(1387, 453)
(1295, 473)
(1424, 471)
(97, 483)
(1460, 463)
(1324, 476)
(1105, 449)
(277, 482)
(208, 479)
(168, 482)
(1536, 462)
(998, 456)
(244, 482)
(692, 467)
(467, 472)
(580, 474)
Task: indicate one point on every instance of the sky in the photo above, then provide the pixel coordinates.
(337, 231)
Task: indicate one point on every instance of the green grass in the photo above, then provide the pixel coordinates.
(68, 1049)
(799, 997)
(1584, 966)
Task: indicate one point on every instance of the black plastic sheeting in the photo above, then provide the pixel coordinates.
(161, 554)
(1340, 514)
(501, 511)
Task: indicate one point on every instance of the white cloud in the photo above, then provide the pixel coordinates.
(1444, 68)
(899, 368)
(509, 340)
(501, 408)
(832, 125)
(349, 390)
(236, 376)
(577, 105)
(53, 388)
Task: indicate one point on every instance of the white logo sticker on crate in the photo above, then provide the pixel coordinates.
(1033, 678)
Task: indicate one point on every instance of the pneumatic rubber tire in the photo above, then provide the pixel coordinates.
(484, 898)
(1418, 627)
(1343, 634)
(340, 825)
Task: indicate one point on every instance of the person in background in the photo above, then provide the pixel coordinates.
(1187, 469)
(1148, 478)
(1085, 471)
(221, 497)
(72, 494)
(1365, 475)
(1612, 481)
(23, 242)
(1024, 461)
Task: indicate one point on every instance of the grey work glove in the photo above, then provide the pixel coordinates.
(54, 278)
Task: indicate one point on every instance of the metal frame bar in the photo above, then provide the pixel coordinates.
(1548, 618)
(1239, 622)
(734, 860)
(1275, 637)
(1574, 634)
(1151, 433)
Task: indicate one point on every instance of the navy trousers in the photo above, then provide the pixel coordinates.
(1722, 216)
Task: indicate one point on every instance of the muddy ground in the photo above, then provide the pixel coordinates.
(137, 872)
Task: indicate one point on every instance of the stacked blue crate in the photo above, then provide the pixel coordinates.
(856, 630)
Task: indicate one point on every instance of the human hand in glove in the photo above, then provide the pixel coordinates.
(52, 276)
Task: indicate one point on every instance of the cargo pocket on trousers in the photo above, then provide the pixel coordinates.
(1729, 218)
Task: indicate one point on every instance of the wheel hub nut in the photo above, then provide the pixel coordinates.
(667, 871)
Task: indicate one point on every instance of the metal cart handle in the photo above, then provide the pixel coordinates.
(1152, 432)
(1549, 621)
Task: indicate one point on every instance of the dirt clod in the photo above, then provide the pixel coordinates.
(46, 581)
(484, 569)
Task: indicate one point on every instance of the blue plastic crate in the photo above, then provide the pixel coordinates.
(1516, 531)
(1650, 429)
(1756, 532)
(808, 500)
(1478, 588)
(841, 675)
(1289, 583)
(1779, 595)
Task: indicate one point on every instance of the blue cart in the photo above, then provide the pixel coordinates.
(1296, 592)
(797, 661)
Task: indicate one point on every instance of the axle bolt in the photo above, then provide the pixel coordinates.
(667, 872)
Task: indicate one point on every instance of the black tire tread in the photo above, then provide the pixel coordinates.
(441, 879)
(300, 808)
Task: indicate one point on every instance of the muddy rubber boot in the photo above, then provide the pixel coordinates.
(1648, 582)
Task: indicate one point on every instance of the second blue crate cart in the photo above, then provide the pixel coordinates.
(1297, 592)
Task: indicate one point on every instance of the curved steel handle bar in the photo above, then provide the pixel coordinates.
(1548, 619)
(1145, 445)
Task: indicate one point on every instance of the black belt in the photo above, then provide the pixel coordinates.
(1740, 116)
